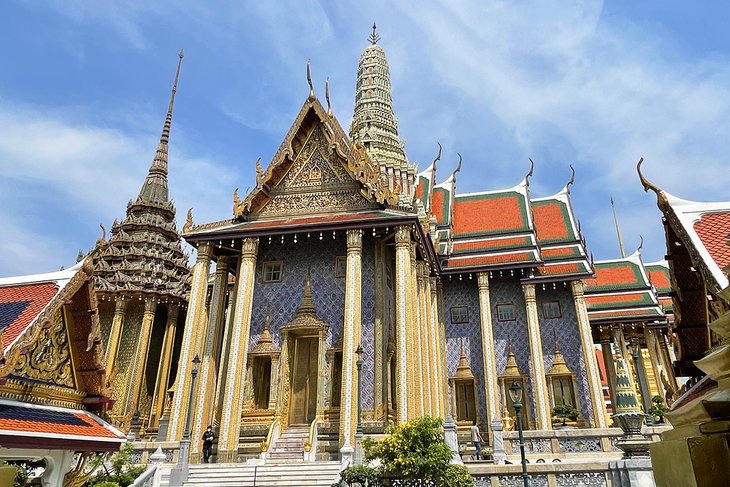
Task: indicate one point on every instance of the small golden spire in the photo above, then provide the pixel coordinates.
(618, 229)
(374, 37)
(168, 119)
(309, 81)
(307, 306)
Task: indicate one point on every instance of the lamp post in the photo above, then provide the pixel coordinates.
(515, 393)
(179, 474)
(358, 430)
(635, 348)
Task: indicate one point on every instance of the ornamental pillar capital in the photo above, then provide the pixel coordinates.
(120, 306)
(150, 305)
(249, 248)
(433, 280)
(413, 247)
(529, 290)
(205, 251)
(354, 240)
(578, 288)
(173, 311)
(483, 281)
(223, 264)
(402, 236)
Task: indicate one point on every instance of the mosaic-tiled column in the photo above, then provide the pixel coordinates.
(283, 382)
(665, 359)
(537, 361)
(143, 346)
(402, 315)
(233, 395)
(488, 357)
(380, 380)
(416, 400)
(226, 350)
(595, 391)
(209, 367)
(163, 369)
(423, 337)
(441, 329)
(350, 340)
(438, 380)
(610, 366)
(193, 320)
(120, 311)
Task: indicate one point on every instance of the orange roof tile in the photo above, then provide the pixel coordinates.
(613, 300)
(460, 247)
(483, 260)
(438, 206)
(626, 313)
(560, 252)
(714, 231)
(490, 213)
(659, 277)
(551, 221)
(615, 275)
(571, 268)
(19, 306)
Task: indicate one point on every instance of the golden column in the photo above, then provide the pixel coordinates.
(416, 398)
(436, 369)
(402, 278)
(610, 365)
(380, 356)
(598, 405)
(120, 311)
(143, 346)
(488, 357)
(208, 368)
(194, 319)
(235, 375)
(441, 329)
(225, 352)
(539, 384)
(350, 340)
(163, 370)
(423, 338)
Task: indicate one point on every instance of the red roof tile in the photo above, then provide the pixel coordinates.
(625, 313)
(483, 260)
(714, 231)
(490, 213)
(552, 222)
(438, 206)
(560, 252)
(20, 305)
(615, 275)
(491, 244)
(572, 268)
(614, 300)
(659, 277)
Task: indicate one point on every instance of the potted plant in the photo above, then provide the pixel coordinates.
(658, 408)
(565, 411)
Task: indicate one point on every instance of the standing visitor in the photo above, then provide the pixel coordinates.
(476, 438)
(208, 438)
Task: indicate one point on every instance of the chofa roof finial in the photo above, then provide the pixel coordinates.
(571, 180)
(661, 198)
(532, 170)
(327, 96)
(309, 81)
(374, 37)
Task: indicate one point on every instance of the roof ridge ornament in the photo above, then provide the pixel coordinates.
(327, 95)
(641, 244)
(532, 170)
(312, 97)
(571, 180)
(661, 197)
(374, 37)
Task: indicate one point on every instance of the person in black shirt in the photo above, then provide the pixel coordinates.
(208, 438)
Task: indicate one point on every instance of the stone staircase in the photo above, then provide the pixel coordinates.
(315, 474)
(289, 447)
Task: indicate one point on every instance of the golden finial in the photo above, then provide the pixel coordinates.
(101, 241)
(259, 173)
(374, 37)
(618, 229)
(327, 96)
(660, 196)
(458, 166)
(556, 349)
(532, 169)
(641, 243)
(571, 180)
(309, 80)
(188, 222)
(168, 120)
(438, 157)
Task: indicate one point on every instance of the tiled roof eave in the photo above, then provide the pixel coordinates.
(490, 268)
(557, 278)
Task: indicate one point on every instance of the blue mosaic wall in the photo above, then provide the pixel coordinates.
(281, 299)
(508, 290)
(464, 293)
(565, 329)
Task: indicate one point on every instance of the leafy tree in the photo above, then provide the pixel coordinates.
(123, 471)
(565, 411)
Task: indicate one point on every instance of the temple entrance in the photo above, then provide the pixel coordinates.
(303, 392)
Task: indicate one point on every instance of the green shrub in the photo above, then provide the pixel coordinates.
(105, 484)
(415, 450)
(360, 474)
(565, 411)
(123, 472)
(456, 476)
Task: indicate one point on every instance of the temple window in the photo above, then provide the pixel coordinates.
(506, 312)
(551, 309)
(512, 374)
(262, 382)
(459, 314)
(273, 271)
(561, 382)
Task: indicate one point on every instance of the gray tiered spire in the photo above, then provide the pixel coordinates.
(143, 255)
(374, 123)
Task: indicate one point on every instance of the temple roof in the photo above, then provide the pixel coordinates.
(143, 255)
(621, 292)
(24, 425)
(660, 279)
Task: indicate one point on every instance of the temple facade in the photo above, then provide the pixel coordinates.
(344, 254)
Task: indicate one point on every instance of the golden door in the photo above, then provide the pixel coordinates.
(303, 403)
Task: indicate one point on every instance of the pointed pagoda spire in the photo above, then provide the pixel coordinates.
(625, 398)
(374, 123)
(307, 305)
(463, 370)
(154, 189)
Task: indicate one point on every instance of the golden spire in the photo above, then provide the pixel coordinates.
(463, 371)
(307, 306)
(511, 370)
(618, 229)
(266, 332)
(374, 37)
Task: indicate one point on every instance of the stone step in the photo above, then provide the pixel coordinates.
(319, 474)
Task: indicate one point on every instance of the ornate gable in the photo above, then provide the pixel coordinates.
(317, 169)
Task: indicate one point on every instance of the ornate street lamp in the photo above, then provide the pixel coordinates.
(515, 393)
(358, 430)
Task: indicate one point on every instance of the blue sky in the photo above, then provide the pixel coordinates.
(84, 87)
